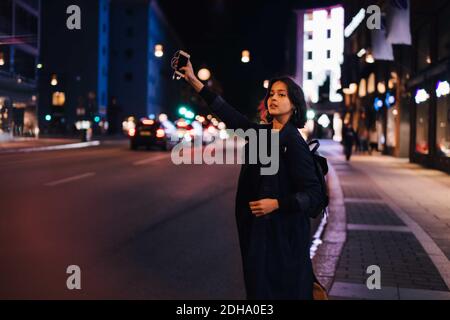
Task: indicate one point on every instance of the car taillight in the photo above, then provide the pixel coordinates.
(131, 132)
(160, 133)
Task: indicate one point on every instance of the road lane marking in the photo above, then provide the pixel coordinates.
(70, 179)
(149, 160)
(67, 146)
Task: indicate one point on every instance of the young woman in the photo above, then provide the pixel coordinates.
(272, 210)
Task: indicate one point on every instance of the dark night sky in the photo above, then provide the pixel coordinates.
(215, 32)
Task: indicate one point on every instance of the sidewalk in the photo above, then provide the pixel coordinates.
(386, 212)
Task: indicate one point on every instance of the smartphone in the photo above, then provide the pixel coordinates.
(183, 59)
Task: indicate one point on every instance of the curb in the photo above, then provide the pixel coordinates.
(54, 147)
(327, 257)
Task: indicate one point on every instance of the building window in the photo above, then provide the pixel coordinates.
(443, 126)
(309, 55)
(422, 120)
(309, 75)
(309, 35)
(328, 33)
(328, 54)
(128, 76)
(58, 98)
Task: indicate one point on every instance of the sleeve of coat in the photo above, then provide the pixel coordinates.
(228, 114)
(307, 189)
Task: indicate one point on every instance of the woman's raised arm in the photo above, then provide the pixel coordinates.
(228, 114)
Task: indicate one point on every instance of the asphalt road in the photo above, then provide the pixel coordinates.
(138, 226)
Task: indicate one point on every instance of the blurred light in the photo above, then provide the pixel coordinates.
(266, 84)
(324, 121)
(442, 89)
(148, 121)
(2, 59)
(421, 96)
(371, 83)
(204, 74)
(390, 99)
(151, 116)
(160, 133)
(189, 114)
(48, 117)
(54, 80)
(201, 119)
(58, 98)
(351, 89)
(310, 114)
(159, 50)
(377, 104)
(83, 124)
(361, 52)
(97, 119)
(356, 20)
(187, 137)
(223, 134)
(395, 112)
(362, 88)
(39, 66)
(369, 58)
(33, 98)
(19, 80)
(428, 60)
(245, 56)
(209, 117)
(162, 117)
(131, 132)
(221, 126)
(182, 110)
(381, 87)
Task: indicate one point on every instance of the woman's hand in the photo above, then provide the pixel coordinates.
(190, 77)
(263, 206)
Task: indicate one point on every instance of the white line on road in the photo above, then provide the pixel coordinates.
(77, 145)
(70, 179)
(148, 160)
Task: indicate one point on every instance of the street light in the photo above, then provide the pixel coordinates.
(54, 80)
(245, 56)
(204, 74)
(159, 50)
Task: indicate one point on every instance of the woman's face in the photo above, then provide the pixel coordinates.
(278, 102)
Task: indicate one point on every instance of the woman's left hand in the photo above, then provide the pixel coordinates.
(263, 206)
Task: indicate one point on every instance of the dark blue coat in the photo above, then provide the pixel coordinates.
(275, 248)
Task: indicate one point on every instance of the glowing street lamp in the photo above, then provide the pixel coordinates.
(204, 74)
(54, 80)
(159, 50)
(245, 56)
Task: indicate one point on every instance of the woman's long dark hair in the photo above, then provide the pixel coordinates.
(296, 96)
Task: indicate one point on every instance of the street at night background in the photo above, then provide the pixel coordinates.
(90, 116)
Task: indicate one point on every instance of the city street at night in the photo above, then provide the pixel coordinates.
(221, 153)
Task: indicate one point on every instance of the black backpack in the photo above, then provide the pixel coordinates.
(321, 166)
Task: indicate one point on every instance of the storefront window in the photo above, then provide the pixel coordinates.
(443, 126)
(422, 122)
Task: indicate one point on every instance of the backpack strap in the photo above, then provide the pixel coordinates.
(317, 145)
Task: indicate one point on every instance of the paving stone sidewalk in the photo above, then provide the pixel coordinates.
(380, 230)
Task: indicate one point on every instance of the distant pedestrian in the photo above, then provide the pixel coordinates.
(373, 141)
(349, 140)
